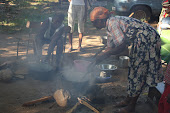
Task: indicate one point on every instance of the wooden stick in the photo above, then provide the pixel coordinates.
(88, 105)
(52, 105)
(99, 51)
(73, 108)
(131, 14)
(38, 100)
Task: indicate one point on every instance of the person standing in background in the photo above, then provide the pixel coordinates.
(164, 102)
(165, 10)
(164, 13)
(76, 11)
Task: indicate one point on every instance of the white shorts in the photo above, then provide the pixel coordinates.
(76, 11)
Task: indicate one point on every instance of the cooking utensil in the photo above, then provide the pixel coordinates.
(40, 67)
(106, 70)
(71, 74)
(90, 64)
(123, 61)
(99, 51)
(107, 67)
(81, 65)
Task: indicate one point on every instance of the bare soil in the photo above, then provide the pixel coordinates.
(35, 85)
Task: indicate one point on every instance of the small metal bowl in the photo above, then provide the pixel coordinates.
(106, 69)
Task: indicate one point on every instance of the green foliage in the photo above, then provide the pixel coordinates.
(165, 36)
(165, 52)
(15, 13)
(165, 48)
(110, 4)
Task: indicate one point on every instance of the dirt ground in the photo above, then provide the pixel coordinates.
(34, 85)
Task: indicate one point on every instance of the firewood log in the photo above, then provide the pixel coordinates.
(37, 101)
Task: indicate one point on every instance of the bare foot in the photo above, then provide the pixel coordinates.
(69, 49)
(79, 49)
(123, 103)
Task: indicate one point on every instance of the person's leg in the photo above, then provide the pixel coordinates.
(52, 44)
(38, 47)
(80, 41)
(136, 84)
(71, 22)
(59, 53)
(81, 15)
(70, 35)
(130, 107)
(153, 92)
(124, 102)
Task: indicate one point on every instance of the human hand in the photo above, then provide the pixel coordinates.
(69, 0)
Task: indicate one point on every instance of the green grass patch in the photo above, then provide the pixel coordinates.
(16, 13)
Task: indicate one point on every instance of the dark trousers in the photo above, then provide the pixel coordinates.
(52, 43)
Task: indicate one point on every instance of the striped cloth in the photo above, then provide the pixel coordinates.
(115, 29)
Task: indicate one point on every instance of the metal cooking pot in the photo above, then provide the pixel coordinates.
(106, 72)
(40, 67)
(71, 74)
(123, 61)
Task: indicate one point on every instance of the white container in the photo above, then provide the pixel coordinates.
(123, 61)
(103, 39)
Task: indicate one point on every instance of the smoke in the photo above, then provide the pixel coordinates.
(81, 81)
(71, 77)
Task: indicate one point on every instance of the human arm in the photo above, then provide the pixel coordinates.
(56, 36)
(43, 29)
(115, 41)
(69, 0)
(110, 51)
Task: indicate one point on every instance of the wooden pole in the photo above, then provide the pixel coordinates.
(131, 14)
(36, 101)
(73, 108)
